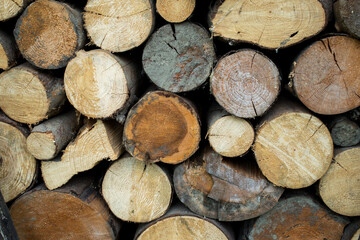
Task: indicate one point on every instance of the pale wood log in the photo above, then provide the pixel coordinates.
(228, 135)
(162, 126)
(175, 11)
(49, 33)
(50, 137)
(325, 76)
(181, 224)
(270, 24)
(8, 51)
(75, 211)
(293, 148)
(96, 140)
(344, 132)
(298, 217)
(179, 57)
(7, 229)
(98, 84)
(11, 8)
(245, 83)
(28, 95)
(347, 17)
(136, 191)
(121, 25)
(339, 188)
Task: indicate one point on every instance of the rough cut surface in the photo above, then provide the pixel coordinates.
(179, 57)
(11, 8)
(175, 11)
(347, 16)
(270, 24)
(326, 76)
(119, 26)
(344, 132)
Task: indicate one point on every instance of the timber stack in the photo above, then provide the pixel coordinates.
(180, 119)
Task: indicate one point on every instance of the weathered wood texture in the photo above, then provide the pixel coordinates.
(347, 17)
(18, 167)
(96, 140)
(175, 11)
(121, 25)
(270, 24)
(179, 57)
(51, 136)
(325, 76)
(181, 224)
(162, 126)
(136, 191)
(11, 8)
(228, 135)
(352, 231)
(224, 189)
(49, 33)
(8, 51)
(75, 211)
(245, 83)
(292, 147)
(98, 84)
(7, 229)
(339, 187)
(344, 132)
(28, 95)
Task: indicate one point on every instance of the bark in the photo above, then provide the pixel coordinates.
(8, 51)
(7, 229)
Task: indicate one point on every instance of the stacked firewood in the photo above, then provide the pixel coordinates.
(180, 119)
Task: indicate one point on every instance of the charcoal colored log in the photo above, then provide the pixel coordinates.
(8, 51)
(344, 132)
(347, 16)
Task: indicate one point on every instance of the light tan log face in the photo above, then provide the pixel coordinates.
(175, 11)
(10, 8)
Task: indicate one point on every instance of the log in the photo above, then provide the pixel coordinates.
(245, 83)
(75, 211)
(96, 140)
(8, 51)
(293, 148)
(179, 223)
(119, 26)
(98, 84)
(325, 76)
(352, 231)
(344, 132)
(271, 24)
(228, 135)
(339, 188)
(11, 8)
(179, 57)
(298, 217)
(23, 87)
(136, 191)
(18, 169)
(224, 189)
(347, 17)
(162, 126)
(51, 136)
(48, 33)
(7, 229)
(175, 11)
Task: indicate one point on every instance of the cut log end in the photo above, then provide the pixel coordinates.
(11, 8)
(344, 132)
(347, 16)
(119, 26)
(175, 11)
(41, 145)
(162, 127)
(245, 83)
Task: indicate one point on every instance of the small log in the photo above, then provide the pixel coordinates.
(8, 51)
(162, 127)
(7, 229)
(98, 84)
(179, 223)
(224, 189)
(272, 24)
(339, 188)
(347, 17)
(75, 211)
(96, 140)
(344, 132)
(136, 191)
(11, 8)
(49, 33)
(48, 138)
(175, 11)
(228, 135)
(325, 76)
(18, 169)
(119, 26)
(298, 217)
(352, 231)
(179, 57)
(292, 147)
(28, 95)
(245, 83)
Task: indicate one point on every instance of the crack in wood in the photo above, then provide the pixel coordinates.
(117, 17)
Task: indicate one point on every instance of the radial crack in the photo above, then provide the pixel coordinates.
(172, 47)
